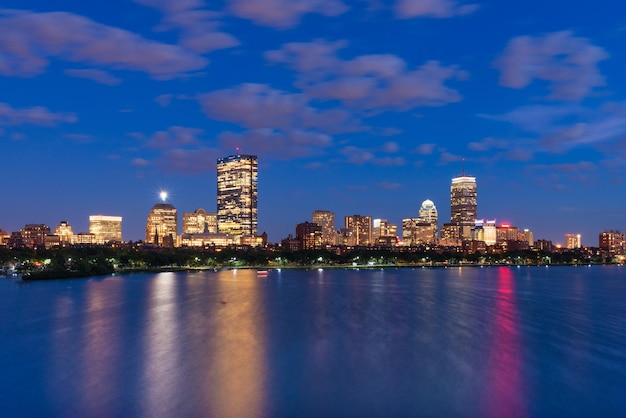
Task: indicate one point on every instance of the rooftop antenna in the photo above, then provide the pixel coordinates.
(462, 167)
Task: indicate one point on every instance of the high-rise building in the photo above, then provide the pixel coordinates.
(162, 224)
(572, 241)
(237, 195)
(106, 228)
(361, 227)
(199, 222)
(428, 212)
(613, 241)
(64, 232)
(326, 220)
(463, 204)
(384, 232)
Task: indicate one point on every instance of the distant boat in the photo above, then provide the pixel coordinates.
(262, 272)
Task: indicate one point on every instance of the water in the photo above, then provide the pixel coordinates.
(470, 342)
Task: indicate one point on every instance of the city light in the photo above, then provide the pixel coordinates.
(163, 195)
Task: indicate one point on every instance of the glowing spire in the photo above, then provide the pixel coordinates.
(163, 195)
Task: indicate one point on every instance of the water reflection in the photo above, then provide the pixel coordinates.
(162, 352)
(504, 392)
(236, 372)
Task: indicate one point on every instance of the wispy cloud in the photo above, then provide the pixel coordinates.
(94, 74)
(284, 14)
(261, 106)
(198, 27)
(367, 82)
(277, 144)
(36, 115)
(406, 9)
(28, 40)
(568, 63)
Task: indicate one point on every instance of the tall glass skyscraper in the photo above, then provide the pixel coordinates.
(237, 195)
(463, 204)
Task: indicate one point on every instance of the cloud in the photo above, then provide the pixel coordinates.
(561, 127)
(37, 115)
(139, 162)
(390, 147)
(367, 82)
(173, 137)
(361, 156)
(94, 74)
(406, 9)
(164, 100)
(539, 118)
(28, 40)
(189, 161)
(284, 14)
(566, 62)
(199, 29)
(258, 106)
(280, 145)
(387, 185)
(488, 144)
(425, 149)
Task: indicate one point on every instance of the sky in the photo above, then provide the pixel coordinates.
(358, 107)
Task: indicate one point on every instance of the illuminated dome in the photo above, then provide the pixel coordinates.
(428, 212)
(163, 205)
(427, 204)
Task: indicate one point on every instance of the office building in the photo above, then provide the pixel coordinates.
(162, 224)
(463, 206)
(33, 235)
(199, 222)
(384, 232)
(65, 233)
(613, 242)
(309, 236)
(106, 228)
(237, 195)
(361, 227)
(326, 220)
(572, 241)
(428, 212)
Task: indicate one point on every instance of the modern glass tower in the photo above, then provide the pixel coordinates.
(463, 205)
(326, 220)
(237, 195)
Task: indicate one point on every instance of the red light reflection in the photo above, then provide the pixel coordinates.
(504, 391)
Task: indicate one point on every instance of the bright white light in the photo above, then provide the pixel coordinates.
(163, 196)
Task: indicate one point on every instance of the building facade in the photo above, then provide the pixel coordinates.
(612, 241)
(106, 228)
(34, 234)
(65, 233)
(361, 227)
(162, 225)
(237, 195)
(309, 236)
(463, 205)
(199, 222)
(572, 241)
(326, 220)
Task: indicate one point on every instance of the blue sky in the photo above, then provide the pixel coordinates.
(364, 107)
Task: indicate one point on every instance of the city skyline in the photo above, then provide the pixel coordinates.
(352, 107)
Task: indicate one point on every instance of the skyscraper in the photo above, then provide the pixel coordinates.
(237, 195)
(106, 228)
(361, 227)
(463, 205)
(162, 224)
(326, 220)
